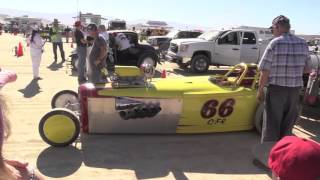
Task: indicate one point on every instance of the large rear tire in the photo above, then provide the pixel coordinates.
(148, 58)
(59, 127)
(200, 63)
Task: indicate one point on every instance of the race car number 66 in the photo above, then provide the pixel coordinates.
(210, 108)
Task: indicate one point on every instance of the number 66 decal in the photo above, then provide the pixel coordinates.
(210, 108)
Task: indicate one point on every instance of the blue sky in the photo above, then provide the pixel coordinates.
(304, 15)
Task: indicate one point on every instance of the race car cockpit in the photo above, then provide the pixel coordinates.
(242, 74)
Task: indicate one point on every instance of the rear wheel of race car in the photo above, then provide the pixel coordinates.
(148, 58)
(74, 62)
(258, 118)
(199, 63)
(59, 127)
(66, 99)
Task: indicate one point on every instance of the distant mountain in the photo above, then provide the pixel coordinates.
(175, 25)
(67, 19)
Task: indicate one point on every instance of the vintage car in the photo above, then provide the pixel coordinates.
(138, 53)
(133, 103)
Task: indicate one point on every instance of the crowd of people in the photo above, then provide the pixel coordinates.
(282, 66)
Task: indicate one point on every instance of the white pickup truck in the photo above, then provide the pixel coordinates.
(225, 47)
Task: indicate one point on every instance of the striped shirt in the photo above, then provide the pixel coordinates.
(286, 57)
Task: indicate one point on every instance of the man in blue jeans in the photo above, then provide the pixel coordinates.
(282, 66)
(56, 40)
(81, 52)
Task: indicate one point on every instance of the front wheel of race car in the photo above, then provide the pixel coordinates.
(148, 58)
(199, 63)
(258, 118)
(59, 127)
(66, 99)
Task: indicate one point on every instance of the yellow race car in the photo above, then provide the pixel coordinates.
(135, 104)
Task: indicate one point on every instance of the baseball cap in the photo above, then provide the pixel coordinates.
(92, 27)
(77, 23)
(294, 158)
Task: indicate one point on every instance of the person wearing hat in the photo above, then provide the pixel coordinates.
(56, 40)
(282, 66)
(294, 158)
(81, 51)
(97, 56)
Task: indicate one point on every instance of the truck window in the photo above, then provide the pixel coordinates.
(249, 38)
(231, 38)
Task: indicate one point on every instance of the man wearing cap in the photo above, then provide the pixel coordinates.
(97, 56)
(282, 65)
(81, 52)
(56, 40)
(294, 158)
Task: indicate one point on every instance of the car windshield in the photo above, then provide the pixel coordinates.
(173, 33)
(210, 35)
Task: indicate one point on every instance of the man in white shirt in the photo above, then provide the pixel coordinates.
(122, 41)
(123, 45)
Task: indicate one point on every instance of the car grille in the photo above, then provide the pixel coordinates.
(173, 47)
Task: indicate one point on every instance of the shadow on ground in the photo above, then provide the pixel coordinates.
(152, 156)
(31, 89)
(310, 121)
(55, 66)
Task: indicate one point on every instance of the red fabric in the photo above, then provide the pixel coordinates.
(294, 158)
(7, 76)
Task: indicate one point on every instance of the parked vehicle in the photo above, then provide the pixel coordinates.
(117, 24)
(162, 43)
(225, 47)
(133, 103)
(139, 53)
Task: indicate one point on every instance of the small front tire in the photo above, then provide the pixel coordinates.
(59, 127)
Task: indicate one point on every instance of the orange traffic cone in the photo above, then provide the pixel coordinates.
(163, 74)
(20, 50)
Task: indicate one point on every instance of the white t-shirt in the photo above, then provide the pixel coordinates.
(122, 41)
(37, 42)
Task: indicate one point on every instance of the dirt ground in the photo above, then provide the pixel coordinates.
(211, 156)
